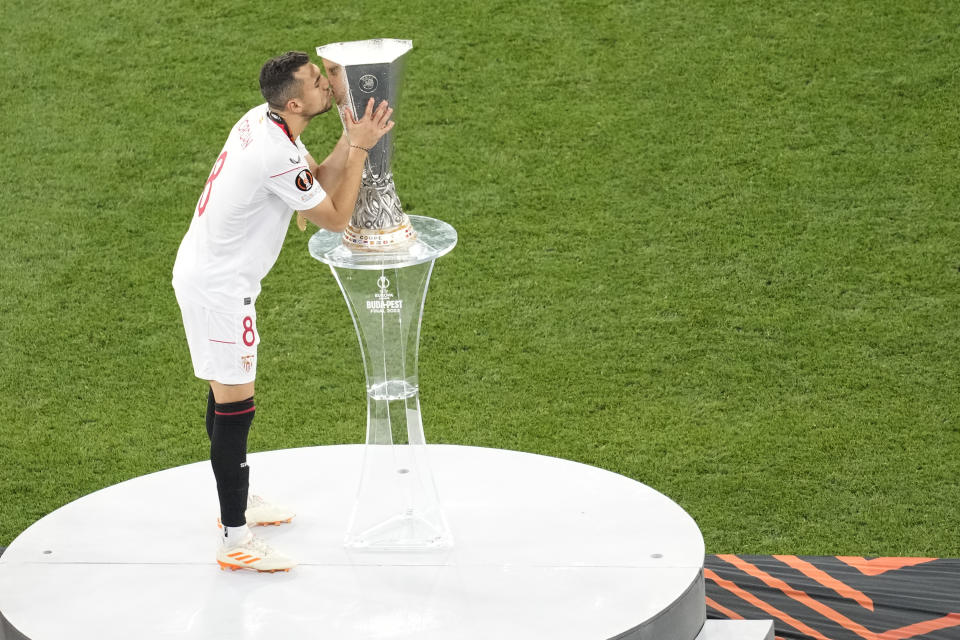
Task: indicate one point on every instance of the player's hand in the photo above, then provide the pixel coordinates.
(374, 124)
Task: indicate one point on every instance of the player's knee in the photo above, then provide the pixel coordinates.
(231, 393)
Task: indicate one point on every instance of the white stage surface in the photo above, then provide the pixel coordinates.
(543, 548)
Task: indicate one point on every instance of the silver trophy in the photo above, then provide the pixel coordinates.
(383, 263)
(357, 72)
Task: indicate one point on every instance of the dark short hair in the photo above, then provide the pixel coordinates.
(277, 83)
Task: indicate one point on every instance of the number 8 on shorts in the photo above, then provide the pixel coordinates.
(249, 335)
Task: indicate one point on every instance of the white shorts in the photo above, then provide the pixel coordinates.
(223, 345)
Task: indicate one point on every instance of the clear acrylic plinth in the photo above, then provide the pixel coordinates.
(397, 505)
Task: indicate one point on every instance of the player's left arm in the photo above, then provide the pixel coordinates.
(328, 173)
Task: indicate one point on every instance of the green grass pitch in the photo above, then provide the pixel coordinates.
(710, 245)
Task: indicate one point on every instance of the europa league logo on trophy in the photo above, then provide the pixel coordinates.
(357, 72)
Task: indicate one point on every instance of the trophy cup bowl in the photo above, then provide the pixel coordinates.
(357, 72)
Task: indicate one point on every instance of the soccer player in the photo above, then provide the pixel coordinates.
(263, 173)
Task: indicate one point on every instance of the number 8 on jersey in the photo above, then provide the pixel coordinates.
(207, 188)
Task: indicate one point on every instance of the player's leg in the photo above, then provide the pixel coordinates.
(226, 393)
(234, 410)
(233, 399)
(223, 348)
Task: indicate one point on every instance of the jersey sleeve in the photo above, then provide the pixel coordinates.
(293, 183)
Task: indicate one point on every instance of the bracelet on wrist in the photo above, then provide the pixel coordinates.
(356, 146)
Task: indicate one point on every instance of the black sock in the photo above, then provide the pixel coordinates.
(228, 457)
(210, 413)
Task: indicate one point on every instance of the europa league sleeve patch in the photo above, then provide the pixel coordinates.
(304, 180)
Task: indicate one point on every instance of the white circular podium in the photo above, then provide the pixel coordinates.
(545, 548)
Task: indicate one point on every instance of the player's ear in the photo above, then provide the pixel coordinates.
(294, 106)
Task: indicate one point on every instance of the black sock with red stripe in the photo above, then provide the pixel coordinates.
(228, 457)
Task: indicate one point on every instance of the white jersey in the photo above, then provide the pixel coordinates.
(241, 219)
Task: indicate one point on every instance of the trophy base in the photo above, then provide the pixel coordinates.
(378, 239)
(405, 532)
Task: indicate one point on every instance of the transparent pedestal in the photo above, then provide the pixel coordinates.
(397, 506)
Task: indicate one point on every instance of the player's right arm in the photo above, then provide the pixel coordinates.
(334, 212)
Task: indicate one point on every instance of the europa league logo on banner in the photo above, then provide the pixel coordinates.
(357, 72)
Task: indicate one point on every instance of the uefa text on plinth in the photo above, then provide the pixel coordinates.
(383, 262)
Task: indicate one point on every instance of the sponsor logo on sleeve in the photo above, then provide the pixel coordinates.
(304, 180)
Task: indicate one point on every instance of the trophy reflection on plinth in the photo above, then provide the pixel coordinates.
(383, 263)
